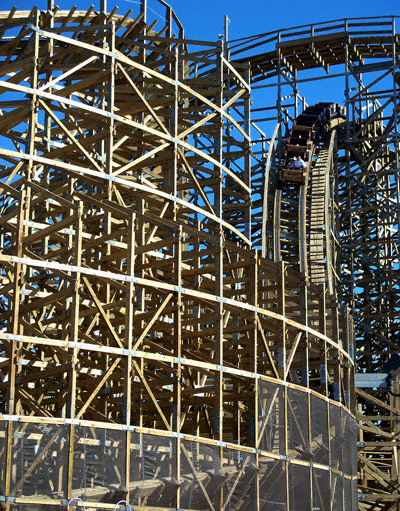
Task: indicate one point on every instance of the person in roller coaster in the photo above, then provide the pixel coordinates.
(299, 163)
(306, 127)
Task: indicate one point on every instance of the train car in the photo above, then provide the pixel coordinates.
(299, 142)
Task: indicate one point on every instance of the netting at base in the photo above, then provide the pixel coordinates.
(166, 471)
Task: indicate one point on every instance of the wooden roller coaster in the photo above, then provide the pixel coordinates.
(181, 312)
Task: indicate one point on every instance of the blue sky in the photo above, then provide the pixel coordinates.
(256, 16)
(204, 19)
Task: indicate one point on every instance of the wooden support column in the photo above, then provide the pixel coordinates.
(138, 327)
(395, 404)
(23, 212)
(48, 120)
(337, 370)
(284, 447)
(279, 85)
(177, 255)
(247, 157)
(347, 369)
(197, 315)
(281, 274)
(14, 347)
(349, 186)
(106, 153)
(73, 352)
(323, 367)
(33, 116)
(143, 9)
(129, 321)
(352, 368)
(110, 107)
(219, 264)
(168, 21)
(396, 134)
(174, 123)
(219, 352)
(253, 343)
(328, 425)
(281, 299)
(305, 369)
(139, 324)
(177, 347)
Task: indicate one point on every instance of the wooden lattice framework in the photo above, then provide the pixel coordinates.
(361, 201)
(150, 353)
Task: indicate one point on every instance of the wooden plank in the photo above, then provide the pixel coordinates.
(266, 191)
(155, 317)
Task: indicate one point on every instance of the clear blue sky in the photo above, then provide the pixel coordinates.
(204, 19)
(248, 17)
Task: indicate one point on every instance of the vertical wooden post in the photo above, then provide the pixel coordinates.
(395, 404)
(74, 337)
(352, 368)
(143, 9)
(247, 158)
(219, 352)
(284, 447)
(281, 274)
(129, 321)
(337, 370)
(197, 315)
(396, 136)
(279, 86)
(174, 123)
(23, 212)
(329, 451)
(281, 299)
(253, 344)
(347, 367)
(14, 345)
(305, 369)
(323, 367)
(219, 261)
(177, 346)
(48, 121)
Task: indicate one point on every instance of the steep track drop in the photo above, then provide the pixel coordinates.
(302, 212)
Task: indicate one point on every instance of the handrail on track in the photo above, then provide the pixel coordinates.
(320, 29)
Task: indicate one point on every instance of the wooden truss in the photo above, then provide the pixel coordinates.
(360, 250)
(149, 352)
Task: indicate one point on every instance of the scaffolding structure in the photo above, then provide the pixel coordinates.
(177, 326)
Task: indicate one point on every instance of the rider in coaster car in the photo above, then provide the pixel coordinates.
(299, 163)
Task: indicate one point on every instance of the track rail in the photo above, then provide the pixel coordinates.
(302, 217)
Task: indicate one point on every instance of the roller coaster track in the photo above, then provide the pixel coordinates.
(305, 223)
(319, 214)
(302, 213)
